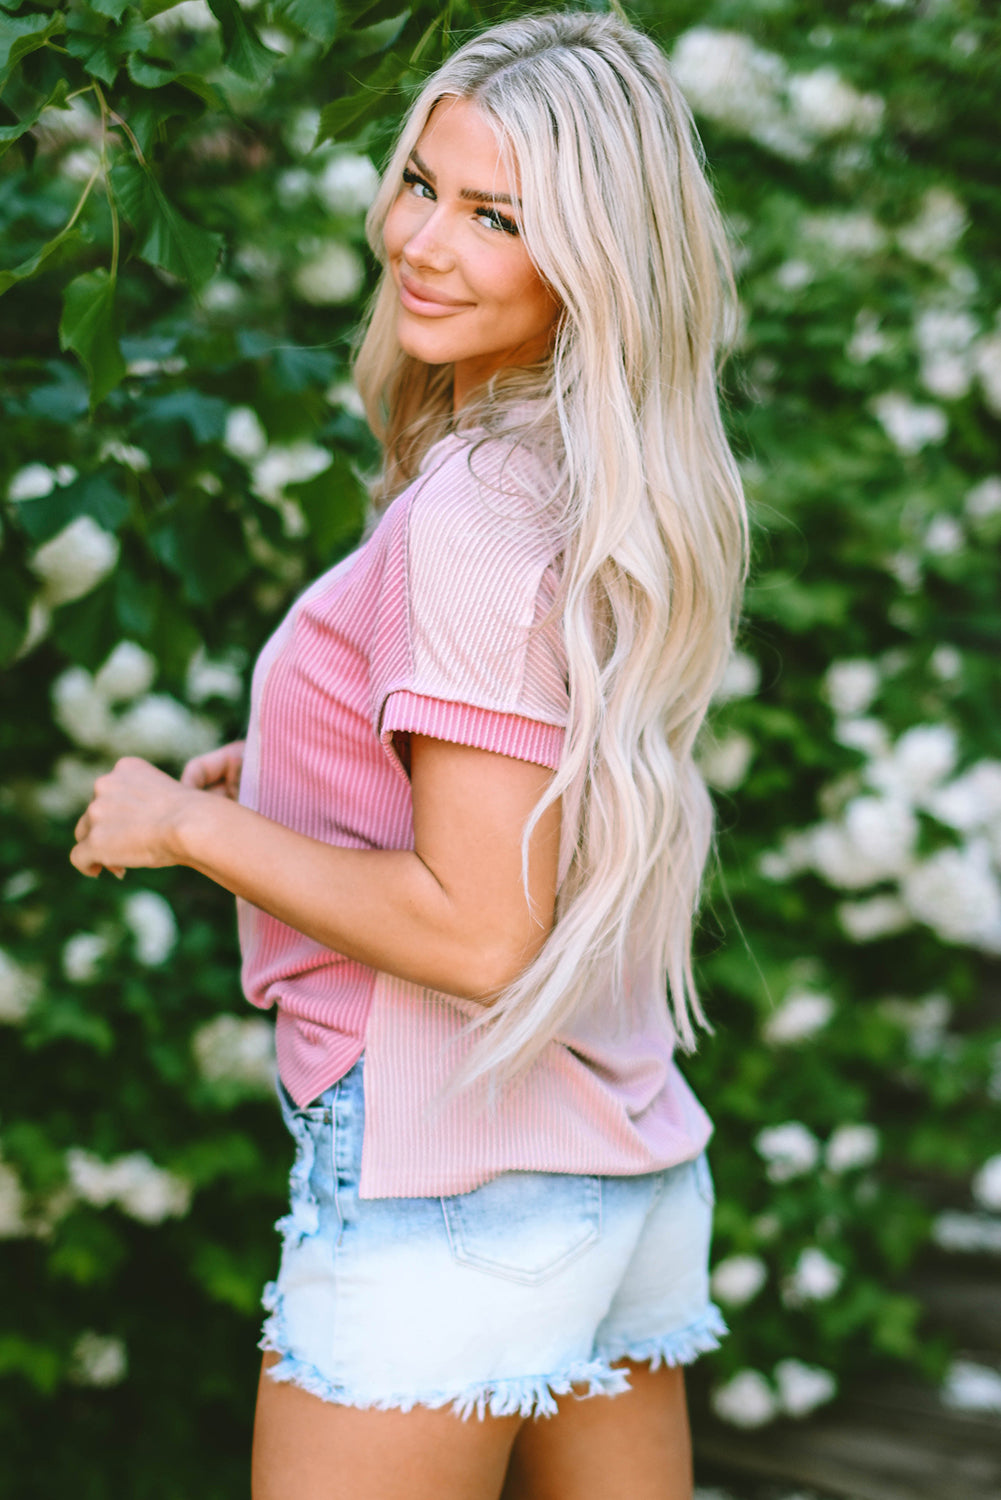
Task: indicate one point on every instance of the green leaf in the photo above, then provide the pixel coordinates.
(205, 548)
(11, 133)
(91, 495)
(30, 266)
(318, 19)
(345, 116)
(88, 328)
(165, 237)
(18, 37)
(15, 602)
(243, 51)
(334, 505)
(204, 416)
(113, 9)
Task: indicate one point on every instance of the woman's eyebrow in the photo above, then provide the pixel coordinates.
(470, 195)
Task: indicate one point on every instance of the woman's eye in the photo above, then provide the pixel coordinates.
(412, 180)
(498, 221)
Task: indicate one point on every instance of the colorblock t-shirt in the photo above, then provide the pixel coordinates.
(441, 623)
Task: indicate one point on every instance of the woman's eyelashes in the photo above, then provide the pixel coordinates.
(489, 215)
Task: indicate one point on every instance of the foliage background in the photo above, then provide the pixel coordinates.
(183, 266)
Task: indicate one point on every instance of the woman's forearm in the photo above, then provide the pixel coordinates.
(382, 907)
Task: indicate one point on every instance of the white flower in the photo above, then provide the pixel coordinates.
(946, 376)
(924, 1021)
(841, 234)
(75, 560)
(288, 464)
(741, 678)
(237, 1050)
(909, 426)
(793, 275)
(727, 78)
(32, 482)
(800, 1016)
(878, 917)
(987, 362)
(82, 955)
(19, 989)
(347, 184)
(724, 762)
(921, 759)
(938, 227)
(126, 454)
(851, 685)
(956, 893)
(13, 1224)
(189, 15)
(944, 536)
(970, 1232)
(71, 790)
(815, 1278)
(151, 922)
(245, 437)
(746, 1400)
(212, 679)
(99, 1359)
(128, 671)
(144, 1191)
(851, 1146)
(945, 338)
(221, 294)
(802, 1388)
(157, 727)
(874, 842)
(293, 186)
(984, 499)
(300, 132)
(333, 274)
(971, 1387)
(867, 338)
(79, 709)
(21, 883)
(868, 736)
(738, 1278)
(972, 801)
(947, 663)
(789, 1150)
(344, 393)
(987, 1184)
(824, 104)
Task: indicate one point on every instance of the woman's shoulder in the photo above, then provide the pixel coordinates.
(485, 485)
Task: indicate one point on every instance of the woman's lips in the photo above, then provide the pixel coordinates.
(427, 305)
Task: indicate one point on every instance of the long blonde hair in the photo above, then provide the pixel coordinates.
(619, 218)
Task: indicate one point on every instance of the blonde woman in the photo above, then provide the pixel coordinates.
(469, 832)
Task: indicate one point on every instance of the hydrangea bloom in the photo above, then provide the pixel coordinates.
(789, 1150)
(746, 1400)
(738, 1278)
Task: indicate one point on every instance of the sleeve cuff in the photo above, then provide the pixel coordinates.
(482, 728)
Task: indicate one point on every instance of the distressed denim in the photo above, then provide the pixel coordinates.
(498, 1300)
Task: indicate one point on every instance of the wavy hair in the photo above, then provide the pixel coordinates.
(620, 219)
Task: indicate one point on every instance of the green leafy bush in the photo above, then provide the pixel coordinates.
(183, 266)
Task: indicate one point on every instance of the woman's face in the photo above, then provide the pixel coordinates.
(468, 293)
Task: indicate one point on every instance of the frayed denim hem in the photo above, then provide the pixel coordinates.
(525, 1396)
(680, 1348)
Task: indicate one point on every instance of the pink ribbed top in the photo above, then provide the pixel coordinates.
(438, 624)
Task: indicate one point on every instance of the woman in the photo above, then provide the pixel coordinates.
(469, 834)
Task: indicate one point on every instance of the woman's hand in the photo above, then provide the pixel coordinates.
(217, 772)
(133, 820)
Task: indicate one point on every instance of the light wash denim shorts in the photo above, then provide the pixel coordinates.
(497, 1300)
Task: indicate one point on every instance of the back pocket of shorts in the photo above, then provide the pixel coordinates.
(525, 1226)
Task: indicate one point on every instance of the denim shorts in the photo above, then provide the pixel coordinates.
(497, 1300)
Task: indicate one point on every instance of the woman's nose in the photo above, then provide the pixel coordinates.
(428, 245)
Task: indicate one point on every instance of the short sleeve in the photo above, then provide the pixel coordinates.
(473, 648)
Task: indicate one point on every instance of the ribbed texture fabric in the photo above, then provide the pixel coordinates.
(439, 624)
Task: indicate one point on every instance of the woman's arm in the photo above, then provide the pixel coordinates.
(451, 914)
